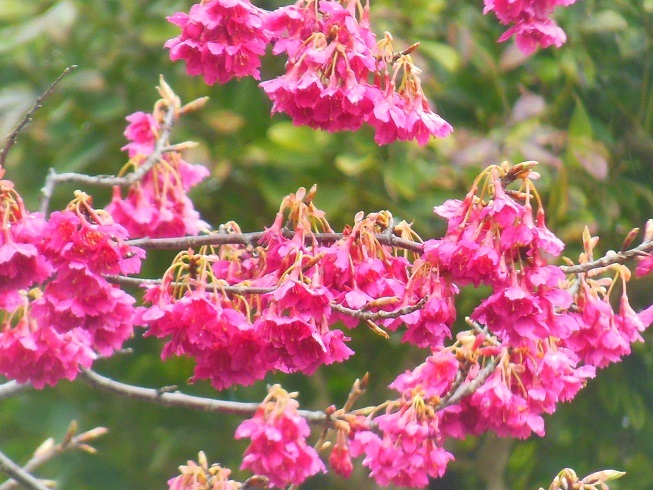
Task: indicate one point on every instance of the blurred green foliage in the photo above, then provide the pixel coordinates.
(584, 111)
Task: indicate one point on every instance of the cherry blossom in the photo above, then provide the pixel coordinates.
(278, 448)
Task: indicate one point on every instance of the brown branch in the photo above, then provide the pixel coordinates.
(137, 282)
(11, 137)
(180, 400)
(48, 450)
(15, 472)
(160, 148)
(609, 259)
(469, 388)
(12, 388)
(379, 315)
(253, 238)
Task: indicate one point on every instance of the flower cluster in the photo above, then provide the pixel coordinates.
(278, 448)
(307, 287)
(157, 205)
(533, 26)
(220, 39)
(337, 76)
(22, 263)
(243, 310)
(72, 313)
(409, 449)
(199, 476)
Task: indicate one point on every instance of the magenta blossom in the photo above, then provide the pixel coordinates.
(278, 448)
(220, 40)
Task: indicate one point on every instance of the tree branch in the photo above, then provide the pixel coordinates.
(137, 282)
(610, 258)
(18, 474)
(48, 450)
(11, 137)
(469, 388)
(253, 239)
(180, 400)
(12, 388)
(160, 148)
(379, 315)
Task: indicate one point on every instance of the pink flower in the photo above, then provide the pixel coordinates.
(433, 377)
(603, 337)
(227, 349)
(142, 133)
(30, 353)
(22, 263)
(80, 299)
(535, 32)
(645, 265)
(533, 27)
(408, 452)
(148, 213)
(157, 206)
(404, 116)
(278, 448)
(324, 86)
(220, 39)
(98, 243)
(196, 476)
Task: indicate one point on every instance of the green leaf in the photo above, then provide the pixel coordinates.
(300, 139)
(353, 165)
(604, 21)
(444, 54)
(580, 124)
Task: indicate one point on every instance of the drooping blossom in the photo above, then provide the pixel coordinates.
(157, 205)
(226, 347)
(22, 263)
(533, 26)
(278, 448)
(528, 382)
(402, 112)
(337, 78)
(220, 40)
(199, 476)
(409, 451)
(603, 336)
(83, 244)
(325, 84)
(40, 355)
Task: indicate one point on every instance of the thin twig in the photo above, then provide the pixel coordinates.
(11, 137)
(160, 148)
(251, 239)
(379, 315)
(610, 258)
(469, 388)
(180, 400)
(138, 282)
(18, 474)
(48, 450)
(12, 388)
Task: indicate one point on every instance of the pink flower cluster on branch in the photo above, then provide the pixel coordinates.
(282, 301)
(157, 204)
(534, 342)
(338, 77)
(278, 448)
(533, 25)
(57, 309)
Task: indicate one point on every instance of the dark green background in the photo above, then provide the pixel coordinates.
(585, 111)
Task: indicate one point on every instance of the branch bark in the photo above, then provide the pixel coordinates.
(180, 400)
(11, 137)
(15, 472)
(160, 147)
